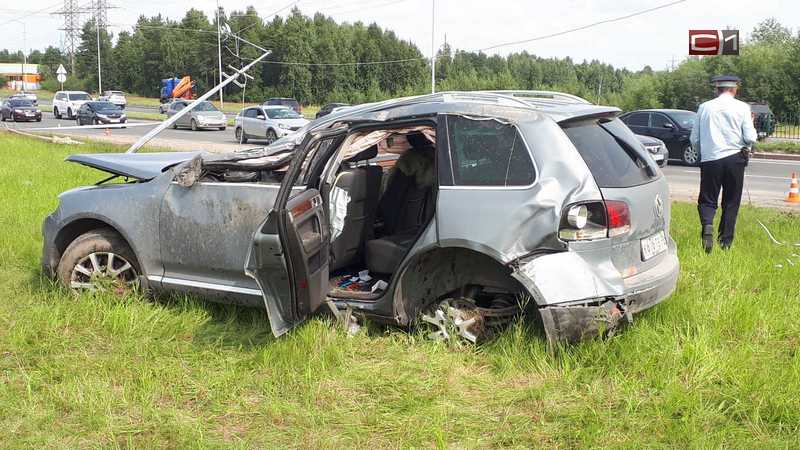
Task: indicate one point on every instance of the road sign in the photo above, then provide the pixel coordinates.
(61, 75)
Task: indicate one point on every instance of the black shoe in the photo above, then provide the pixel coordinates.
(708, 238)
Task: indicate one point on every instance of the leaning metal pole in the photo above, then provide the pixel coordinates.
(167, 123)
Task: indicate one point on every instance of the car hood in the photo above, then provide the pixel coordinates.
(209, 114)
(648, 140)
(299, 122)
(142, 166)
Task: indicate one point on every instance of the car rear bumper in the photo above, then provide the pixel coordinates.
(614, 301)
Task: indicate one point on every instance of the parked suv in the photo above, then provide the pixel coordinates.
(456, 210)
(267, 122)
(67, 103)
(673, 126)
(115, 97)
(284, 101)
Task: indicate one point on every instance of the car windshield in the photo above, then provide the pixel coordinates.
(282, 113)
(104, 106)
(20, 103)
(685, 119)
(205, 107)
(79, 97)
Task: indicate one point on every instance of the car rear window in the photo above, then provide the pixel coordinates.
(611, 152)
(488, 152)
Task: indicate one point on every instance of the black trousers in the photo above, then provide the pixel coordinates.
(726, 174)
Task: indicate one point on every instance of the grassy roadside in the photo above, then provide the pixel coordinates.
(779, 147)
(714, 366)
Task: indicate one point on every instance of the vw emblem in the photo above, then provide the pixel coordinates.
(659, 206)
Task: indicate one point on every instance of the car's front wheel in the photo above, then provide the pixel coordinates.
(56, 113)
(69, 114)
(240, 136)
(690, 156)
(99, 260)
(194, 125)
(271, 136)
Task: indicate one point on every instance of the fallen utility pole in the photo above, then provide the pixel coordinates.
(167, 123)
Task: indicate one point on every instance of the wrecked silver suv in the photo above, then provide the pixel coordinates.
(456, 206)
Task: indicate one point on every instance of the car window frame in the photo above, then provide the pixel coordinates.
(443, 145)
(667, 117)
(645, 113)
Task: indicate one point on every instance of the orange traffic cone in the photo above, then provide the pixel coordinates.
(794, 191)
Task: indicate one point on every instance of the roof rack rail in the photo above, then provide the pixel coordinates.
(552, 95)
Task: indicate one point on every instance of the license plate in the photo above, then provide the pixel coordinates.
(653, 245)
(658, 157)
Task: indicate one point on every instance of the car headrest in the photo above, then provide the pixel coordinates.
(363, 155)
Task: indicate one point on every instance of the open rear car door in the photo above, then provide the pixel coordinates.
(290, 251)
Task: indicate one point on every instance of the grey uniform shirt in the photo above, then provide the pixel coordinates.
(723, 127)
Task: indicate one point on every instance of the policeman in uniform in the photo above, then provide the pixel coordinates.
(722, 135)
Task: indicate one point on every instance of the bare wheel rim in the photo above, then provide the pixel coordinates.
(99, 270)
(690, 155)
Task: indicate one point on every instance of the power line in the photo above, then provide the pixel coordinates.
(583, 27)
(31, 13)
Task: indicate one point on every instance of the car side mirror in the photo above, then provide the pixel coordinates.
(669, 126)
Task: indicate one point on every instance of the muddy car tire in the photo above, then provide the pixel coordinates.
(85, 263)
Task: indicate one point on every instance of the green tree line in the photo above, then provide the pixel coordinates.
(317, 60)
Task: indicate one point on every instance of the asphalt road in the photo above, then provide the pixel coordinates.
(181, 139)
(766, 181)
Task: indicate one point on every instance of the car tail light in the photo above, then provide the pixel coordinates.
(619, 218)
(594, 220)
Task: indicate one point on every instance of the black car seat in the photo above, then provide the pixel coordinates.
(406, 206)
(363, 184)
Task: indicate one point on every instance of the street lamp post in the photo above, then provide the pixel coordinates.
(24, 47)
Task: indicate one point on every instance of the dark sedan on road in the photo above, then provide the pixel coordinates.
(100, 113)
(673, 126)
(19, 110)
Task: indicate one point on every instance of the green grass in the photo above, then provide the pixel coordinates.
(715, 366)
(779, 146)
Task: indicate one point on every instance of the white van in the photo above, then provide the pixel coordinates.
(67, 103)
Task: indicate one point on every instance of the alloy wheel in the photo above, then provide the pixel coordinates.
(102, 270)
(271, 136)
(690, 156)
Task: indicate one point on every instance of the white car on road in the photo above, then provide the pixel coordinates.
(267, 122)
(67, 103)
(115, 97)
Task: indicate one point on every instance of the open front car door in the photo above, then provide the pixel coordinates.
(290, 251)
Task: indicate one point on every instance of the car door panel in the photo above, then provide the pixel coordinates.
(206, 230)
(289, 255)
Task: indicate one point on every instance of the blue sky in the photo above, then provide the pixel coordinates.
(652, 39)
